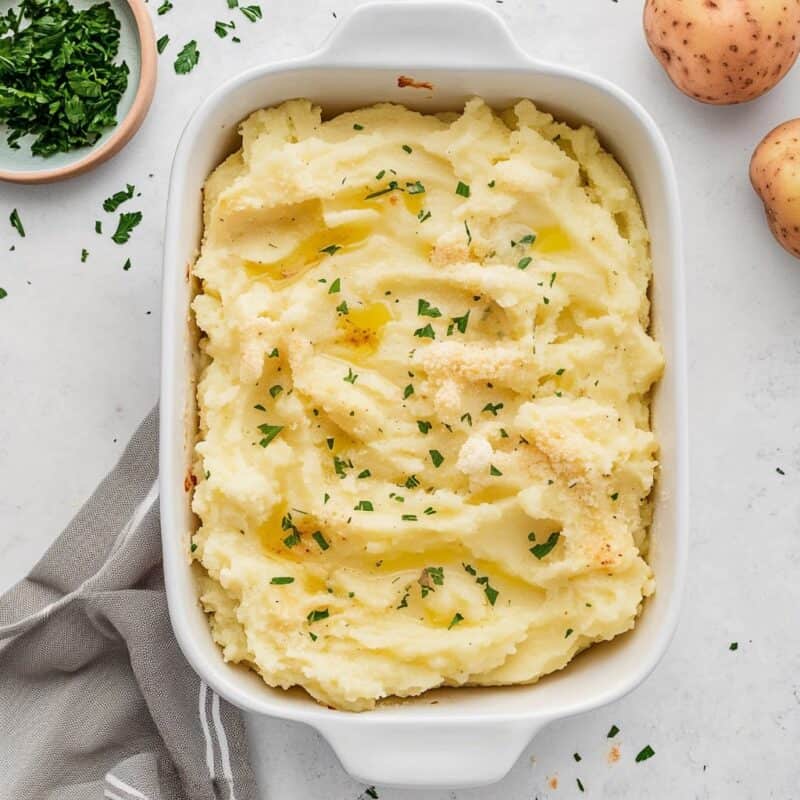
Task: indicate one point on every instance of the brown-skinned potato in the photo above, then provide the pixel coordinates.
(775, 175)
(724, 51)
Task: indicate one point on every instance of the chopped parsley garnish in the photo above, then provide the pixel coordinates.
(645, 753)
(383, 171)
(317, 615)
(461, 322)
(193, 547)
(325, 498)
(423, 426)
(408, 391)
(162, 43)
(612, 732)
(468, 231)
(313, 636)
(335, 287)
(187, 59)
(568, 633)
(351, 376)
(527, 239)
(425, 309)
(282, 581)
(546, 301)
(275, 390)
(456, 619)
(127, 265)
(580, 785)
(293, 538)
(127, 222)
(429, 511)
(425, 333)
(404, 601)
(462, 189)
(364, 505)
(429, 579)
(323, 543)
(492, 408)
(411, 482)
(470, 569)
(541, 550)
(490, 184)
(503, 433)
(393, 186)
(357, 127)
(415, 188)
(98, 226)
(330, 249)
(733, 646)
(365, 473)
(16, 223)
(59, 82)
(111, 204)
(523, 263)
(560, 371)
(577, 756)
(84, 255)
(614, 496)
(270, 432)
(494, 471)
(552, 278)
(251, 12)
(340, 466)
(370, 792)
(436, 457)
(409, 517)
(274, 353)
(467, 418)
(407, 148)
(259, 407)
(342, 308)
(163, 8)
(329, 441)
(222, 28)
(423, 215)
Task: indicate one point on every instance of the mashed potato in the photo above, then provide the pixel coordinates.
(425, 455)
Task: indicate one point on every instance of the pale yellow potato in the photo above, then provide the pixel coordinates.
(724, 51)
(775, 175)
(450, 394)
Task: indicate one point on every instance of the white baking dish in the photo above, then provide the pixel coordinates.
(469, 736)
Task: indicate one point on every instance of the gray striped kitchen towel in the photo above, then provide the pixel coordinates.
(96, 699)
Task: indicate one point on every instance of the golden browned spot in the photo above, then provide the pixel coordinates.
(189, 481)
(403, 81)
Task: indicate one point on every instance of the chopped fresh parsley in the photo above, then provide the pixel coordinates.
(560, 371)
(494, 471)
(251, 12)
(161, 44)
(415, 188)
(335, 287)
(614, 496)
(164, 7)
(16, 223)
(429, 511)
(98, 226)
(462, 189)
(407, 148)
(468, 231)
(351, 376)
(127, 222)
(274, 353)
(282, 581)
(127, 265)
(317, 615)
(733, 646)
(323, 543)
(187, 59)
(423, 215)
(270, 432)
(370, 792)
(84, 255)
(259, 407)
(577, 756)
(313, 636)
(111, 204)
(411, 482)
(383, 171)
(425, 333)
(467, 418)
(612, 732)
(461, 322)
(430, 578)
(456, 619)
(293, 538)
(436, 457)
(357, 127)
(330, 249)
(552, 278)
(222, 28)
(409, 517)
(365, 473)
(523, 263)
(404, 601)
(541, 550)
(275, 390)
(490, 184)
(580, 785)
(59, 80)
(342, 308)
(425, 309)
(568, 633)
(193, 547)
(408, 391)
(423, 426)
(645, 753)
(492, 408)
(364, 505)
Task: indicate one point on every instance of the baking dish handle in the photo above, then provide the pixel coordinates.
(427, 33)
(430, 753)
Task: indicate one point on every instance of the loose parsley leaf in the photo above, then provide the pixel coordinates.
(161, 44)
(580, 785)
(568, 633)
(415, 188)
(494, 471)
(523, 263)
(436, 457)
(467, 418)
(461, 322)
(552, 278)
(351, 376)
(541, 550)
(364, 505)
(425, 333)
(411, 482)
(259, 407)
(127, 265)
(409, 517)
(614, 496)
(358, 127)
(111, 204)
(645, 753)
(187, 58)
(320, 540)
(330, 249)
(462, 189)
(733, 646)
(274, 353)
(127, 222)
(317, 615)
(492, 408)
(281, 581)
(423, 216)
(612, 732)
(342, 308)
(577, 756)
(335, 287)
(293, 538)
(270, 432)
(365, 473)
(423, 426)
(98, 226)
(425, 309)
(84, 255)
(222, 28)
(275, 390)
(408, 391)
(407, 148)
(469, 232)
(3, 293)
(251, 12)
(164, 7)
(456, 619)
(15, 221)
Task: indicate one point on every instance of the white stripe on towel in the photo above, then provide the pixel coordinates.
(222, 740)
(111, 796)
(119, 784)
(206, 732)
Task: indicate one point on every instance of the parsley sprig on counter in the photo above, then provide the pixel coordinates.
(58, 78)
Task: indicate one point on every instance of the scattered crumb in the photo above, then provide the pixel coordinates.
(553, 782)
(404, 81)
(613, 754)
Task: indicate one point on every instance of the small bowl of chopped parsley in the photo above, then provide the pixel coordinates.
(76, 81)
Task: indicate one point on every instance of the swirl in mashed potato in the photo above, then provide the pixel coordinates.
(425, 454)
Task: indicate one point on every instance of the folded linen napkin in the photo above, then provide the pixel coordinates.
(96, 699)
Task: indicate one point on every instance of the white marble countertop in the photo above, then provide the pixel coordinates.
(79, 350)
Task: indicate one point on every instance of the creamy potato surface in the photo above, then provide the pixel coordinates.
(425, 454)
